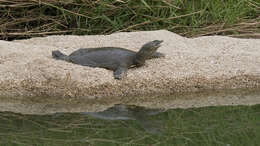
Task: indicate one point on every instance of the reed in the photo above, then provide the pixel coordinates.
(191, 18)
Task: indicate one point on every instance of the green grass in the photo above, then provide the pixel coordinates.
(28, 18)
(208, 126)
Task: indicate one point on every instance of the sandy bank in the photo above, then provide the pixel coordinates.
(205, 63)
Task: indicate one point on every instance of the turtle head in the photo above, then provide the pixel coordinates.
(146, 51)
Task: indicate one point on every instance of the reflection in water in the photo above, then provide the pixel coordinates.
(130, 112)
(132, 125)
(124, 112)
(127, 112)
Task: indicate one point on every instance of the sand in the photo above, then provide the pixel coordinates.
(191, 65)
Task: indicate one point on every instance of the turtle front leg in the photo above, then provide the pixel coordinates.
(157, 55)
(120, 72)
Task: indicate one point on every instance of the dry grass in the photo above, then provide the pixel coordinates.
(29, 18)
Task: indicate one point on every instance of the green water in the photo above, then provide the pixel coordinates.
(130, 125)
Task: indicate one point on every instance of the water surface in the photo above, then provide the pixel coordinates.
(132, 125)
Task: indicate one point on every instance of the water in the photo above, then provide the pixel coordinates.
(132, 125)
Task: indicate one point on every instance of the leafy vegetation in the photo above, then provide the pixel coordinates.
(191, 18)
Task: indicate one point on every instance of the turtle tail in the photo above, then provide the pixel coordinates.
(58, 55)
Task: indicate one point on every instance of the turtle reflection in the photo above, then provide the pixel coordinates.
(130, 112)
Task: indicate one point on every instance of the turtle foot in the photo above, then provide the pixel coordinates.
(120, 73)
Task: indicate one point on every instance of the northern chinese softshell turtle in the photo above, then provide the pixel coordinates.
(112, 58)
